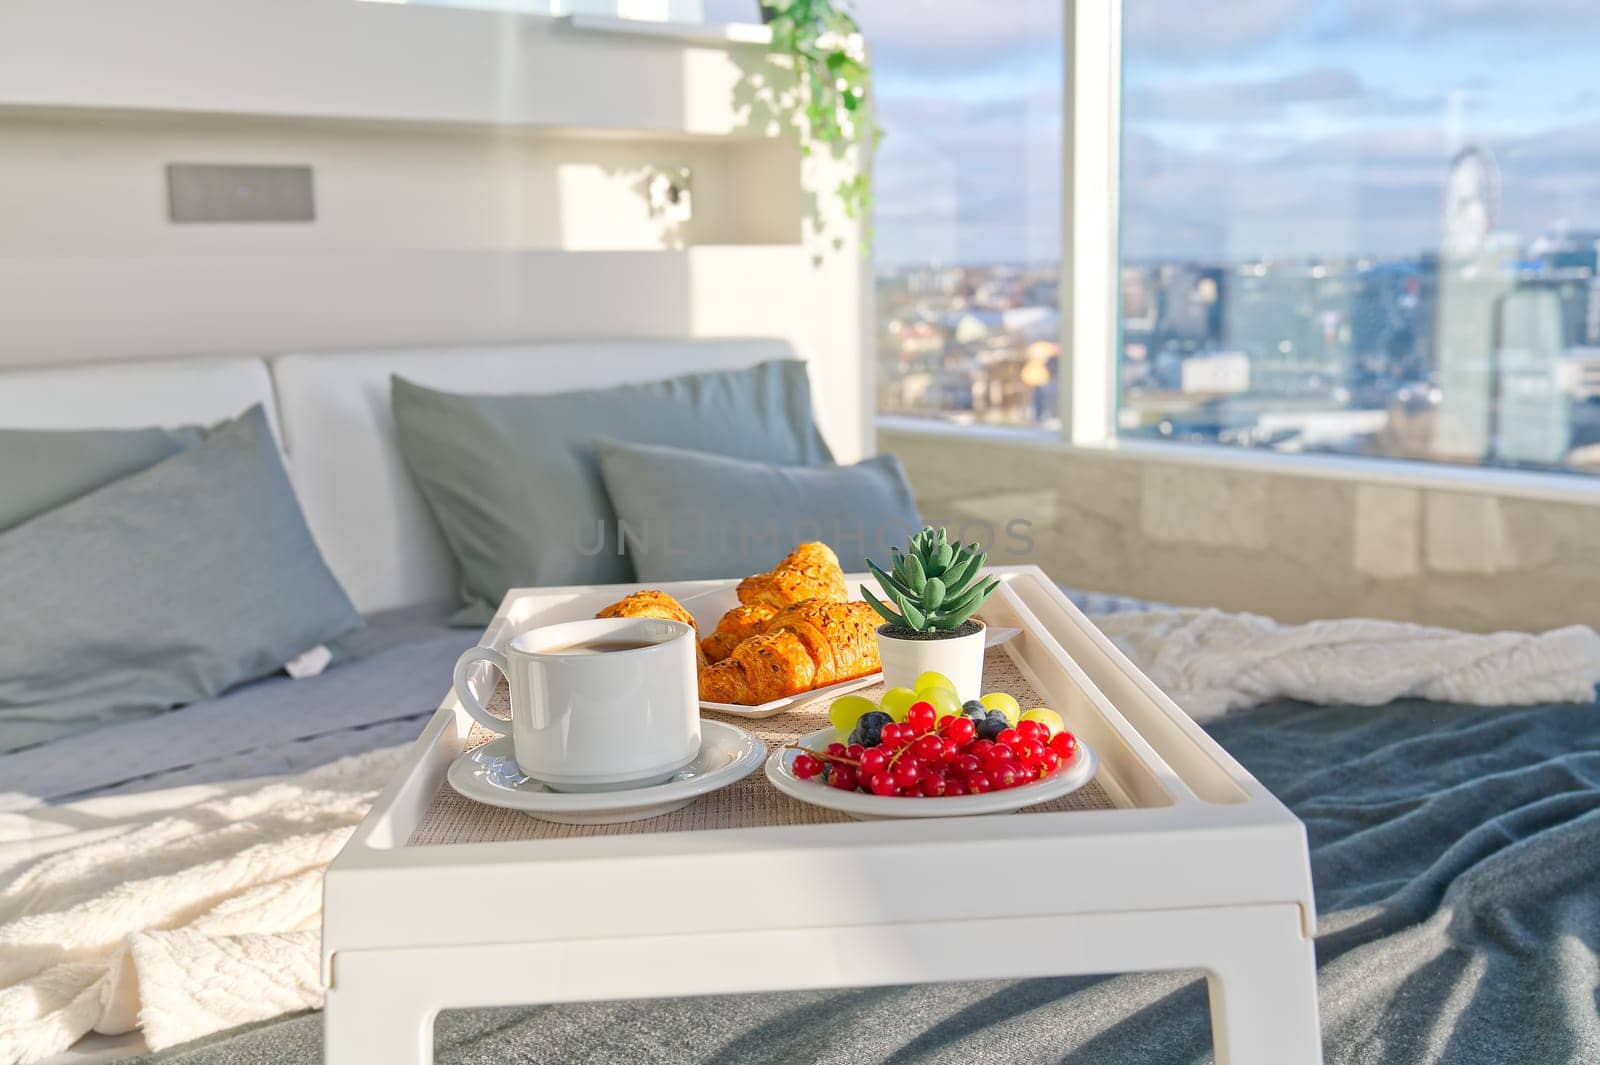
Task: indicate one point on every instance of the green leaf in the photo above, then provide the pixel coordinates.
(889, 582)
(919, 578)
(971, 600)
(913, 618)
(933, 594)
(944, 555)
(888, 615)
(963, 570)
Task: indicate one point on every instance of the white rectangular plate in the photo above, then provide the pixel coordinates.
(995, 638)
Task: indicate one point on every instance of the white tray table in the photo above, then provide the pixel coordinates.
(1173, 858)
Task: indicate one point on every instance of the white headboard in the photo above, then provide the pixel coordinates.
(332, 413)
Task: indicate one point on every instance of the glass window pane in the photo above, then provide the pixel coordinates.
(967, 223)
(1363, 228)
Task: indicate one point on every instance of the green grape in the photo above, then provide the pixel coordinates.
(897, 701)
(945, 702)
(930, 680)
(1047, 717)
(1005, 704)
(846, 710)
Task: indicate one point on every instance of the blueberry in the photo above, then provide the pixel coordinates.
(991, 727)
(869, 729)
(974, 709)
(855, 737)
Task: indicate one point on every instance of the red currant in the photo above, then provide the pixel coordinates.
(882, 784)
(843, 777)
(981, 748)
(907, 771)
(967, 765)
(928, 747)
(1008, 737)
(978, 783)
(1049, 761)
(873, 761)
(955, 786)
(932, 787)
(855, 750)
(1065, 744)
(1028, 753)
(921, 716)
(805, 767)
(894, 732)
(1005, 777)
(1032, 730)
(959, 730)
(836, 749)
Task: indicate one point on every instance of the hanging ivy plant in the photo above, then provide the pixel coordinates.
(830, 105)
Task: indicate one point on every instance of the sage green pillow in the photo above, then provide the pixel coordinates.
(42, 469)
(515, 483)
(163, 588)
(691, 515)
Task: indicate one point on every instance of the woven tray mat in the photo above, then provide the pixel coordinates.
(751, 803)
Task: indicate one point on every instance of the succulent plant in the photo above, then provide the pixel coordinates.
(935, 584)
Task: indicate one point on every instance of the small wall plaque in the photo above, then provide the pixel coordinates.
(209, 192)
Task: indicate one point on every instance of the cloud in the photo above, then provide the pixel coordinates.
(1231, 101)
(1422, 18)
(969, 181)
(1333, 90)
(1372, 192)
(1187, 29)
(948, 34)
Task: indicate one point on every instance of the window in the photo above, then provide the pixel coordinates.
(967, 227)
(1363, 228)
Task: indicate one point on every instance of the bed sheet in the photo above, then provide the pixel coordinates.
(388, 681)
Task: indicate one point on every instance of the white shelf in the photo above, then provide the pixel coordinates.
(697, 32)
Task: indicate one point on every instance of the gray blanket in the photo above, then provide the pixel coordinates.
(1456, 854)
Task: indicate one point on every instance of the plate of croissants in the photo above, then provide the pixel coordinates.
(784, 636)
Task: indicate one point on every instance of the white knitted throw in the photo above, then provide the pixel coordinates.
(181, 912)
(1210, 662)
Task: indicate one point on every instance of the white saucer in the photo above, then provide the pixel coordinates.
(1072, 776)
(490, 775)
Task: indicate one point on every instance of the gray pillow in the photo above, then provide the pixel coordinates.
(160, 589)
(514, 480)
(42, 469)
(688, 515)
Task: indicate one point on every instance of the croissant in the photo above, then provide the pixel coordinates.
(736, 626)
(810, 645)
(810, 571)
(652, 603)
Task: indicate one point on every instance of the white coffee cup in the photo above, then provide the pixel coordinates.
(596, 720)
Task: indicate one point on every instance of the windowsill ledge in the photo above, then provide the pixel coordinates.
(1574, 489)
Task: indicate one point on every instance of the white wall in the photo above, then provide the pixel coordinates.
(478, 177)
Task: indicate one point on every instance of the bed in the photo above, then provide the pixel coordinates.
(1456, 850)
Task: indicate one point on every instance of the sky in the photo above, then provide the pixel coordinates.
(1284, 128)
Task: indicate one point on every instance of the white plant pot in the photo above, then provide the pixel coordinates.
(960, 658)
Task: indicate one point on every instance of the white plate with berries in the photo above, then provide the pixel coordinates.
(928, 759)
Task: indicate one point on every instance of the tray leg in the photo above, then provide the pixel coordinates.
(376, 1024)
(1264, 1001)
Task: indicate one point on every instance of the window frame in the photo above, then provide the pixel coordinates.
(1091, 270)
